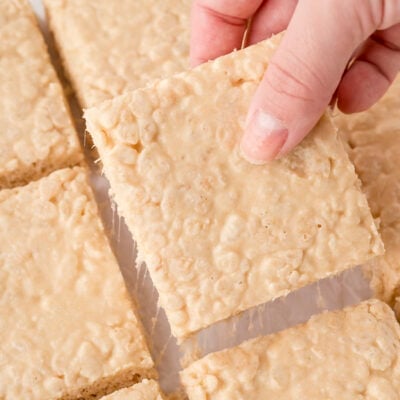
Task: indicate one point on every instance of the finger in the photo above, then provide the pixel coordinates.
(272, 17)
(218, 27)
(372, 72)
(303, 75)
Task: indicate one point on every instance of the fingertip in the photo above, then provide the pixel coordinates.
(217, 28)
(271, 18)
(371, 74)
(196, 61)
(361, 87)
(263, 139)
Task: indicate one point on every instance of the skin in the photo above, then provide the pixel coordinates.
(310, 67)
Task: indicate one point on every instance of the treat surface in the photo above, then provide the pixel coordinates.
(220, 235)
(67, 326)
(349, 354)
(373, 139)
(109, 47)
(36, 132)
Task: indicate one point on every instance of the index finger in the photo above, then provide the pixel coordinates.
(218, 27)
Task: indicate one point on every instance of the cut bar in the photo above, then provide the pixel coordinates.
(36, 132)
(67, 327)
(220, 235)
(373, 139)
(111, 46)
(347, 355)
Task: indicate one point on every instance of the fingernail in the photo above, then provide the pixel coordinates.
(263, 138)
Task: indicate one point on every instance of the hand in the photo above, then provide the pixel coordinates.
(310, 65)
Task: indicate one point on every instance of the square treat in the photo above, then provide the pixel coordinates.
(111, 46)
(36, 132)
(67, 326)
(347, 355)
(145, 390)
(373, 139)
(220, 235)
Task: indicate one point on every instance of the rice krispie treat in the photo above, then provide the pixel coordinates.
(373, 139)
(36, 132)
(220, 235)
(67, 327)
(109, 47)
(347, 355)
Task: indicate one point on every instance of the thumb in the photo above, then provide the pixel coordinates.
(303, 75)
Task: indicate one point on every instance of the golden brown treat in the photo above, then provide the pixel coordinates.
(347, 355)
(67, 327)
(145, 390)
(36, 132)
(109, 47)
(220, 235)
(373, 139)
(397, 308)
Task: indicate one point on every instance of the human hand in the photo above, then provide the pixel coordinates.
(309, 66)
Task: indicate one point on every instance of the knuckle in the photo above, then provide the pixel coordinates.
(296, 82)
(375, 14)
(387, 12)
(362, 18)
(389, 39)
